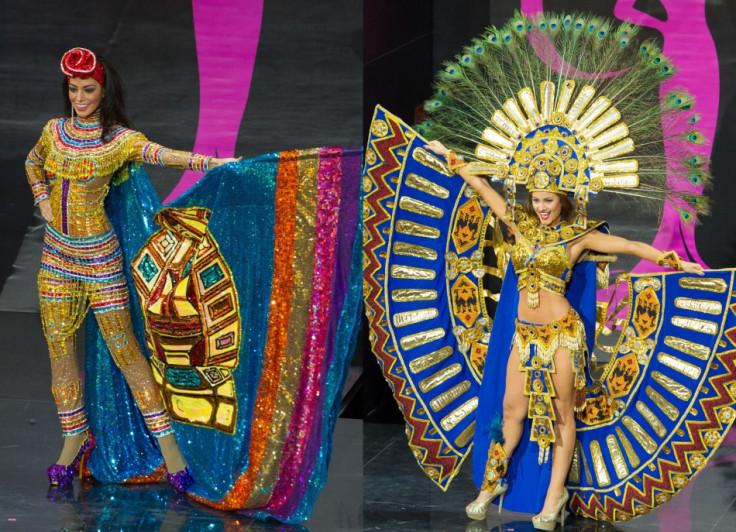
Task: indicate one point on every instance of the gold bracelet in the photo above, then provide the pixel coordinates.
(669, 259)
(453, 161)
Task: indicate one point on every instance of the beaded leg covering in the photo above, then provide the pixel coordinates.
(537, 345)
(495, 468)
(73, 422)
(117, 330)
(158, 423)
(61, 304)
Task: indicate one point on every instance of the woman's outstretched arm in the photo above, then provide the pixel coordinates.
(597, 241)
(152, 153)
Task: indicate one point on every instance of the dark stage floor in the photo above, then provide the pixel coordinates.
(399, 497)
(31, 440)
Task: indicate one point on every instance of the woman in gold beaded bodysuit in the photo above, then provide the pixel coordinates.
(550, 336)
(70, 171)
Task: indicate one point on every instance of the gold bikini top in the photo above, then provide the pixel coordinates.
(540, 256)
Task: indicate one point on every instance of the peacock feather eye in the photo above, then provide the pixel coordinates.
(432, 105)
(685, 215)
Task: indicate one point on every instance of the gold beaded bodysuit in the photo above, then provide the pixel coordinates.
(82, 263)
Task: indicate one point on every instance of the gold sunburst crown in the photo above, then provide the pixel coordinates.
(558, 146)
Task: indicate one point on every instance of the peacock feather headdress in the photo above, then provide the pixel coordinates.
(569, 104)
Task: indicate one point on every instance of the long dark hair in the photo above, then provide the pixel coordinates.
(565, 204)
(112, 106)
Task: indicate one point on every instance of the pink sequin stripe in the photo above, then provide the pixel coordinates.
(292, 476)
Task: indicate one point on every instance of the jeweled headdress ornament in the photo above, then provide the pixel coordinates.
(82, 63)
(563, 104)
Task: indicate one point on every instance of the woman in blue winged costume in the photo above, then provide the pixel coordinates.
(565, 106)
(70, 171)
(545, 372)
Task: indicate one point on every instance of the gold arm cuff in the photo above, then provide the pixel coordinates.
(669, 259)
(453, 161)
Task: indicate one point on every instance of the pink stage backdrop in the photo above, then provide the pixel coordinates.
(689, 44)
(226, 33)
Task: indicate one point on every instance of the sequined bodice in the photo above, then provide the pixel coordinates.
(540, 256)
(549, 259)
(79, 166)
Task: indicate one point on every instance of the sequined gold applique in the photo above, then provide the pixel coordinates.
(402, 319)
(419, 207)
(450, 421)
(410, 272)
(414, 229)
(407, 295)
(444, 399)
(685, 346)
(426, 186)
(413, 250)
(195, 340)
(427, 361)
(415, 340)
(599, 466)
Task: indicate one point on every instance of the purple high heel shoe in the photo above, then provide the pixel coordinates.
(63, 475)
(181, 480)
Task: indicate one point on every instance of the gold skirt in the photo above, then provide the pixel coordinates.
(537, 345)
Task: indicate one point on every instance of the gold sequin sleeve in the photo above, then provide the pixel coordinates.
(34, 168)
(152, 153)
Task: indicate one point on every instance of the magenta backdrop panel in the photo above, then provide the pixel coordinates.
(689, 43)
(226, 33)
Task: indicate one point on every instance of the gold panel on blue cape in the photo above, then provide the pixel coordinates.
(192, 318)
(468, 224)
(670, 378)
(623, 376)
(465, 300)
(423, 257)
(646, 311)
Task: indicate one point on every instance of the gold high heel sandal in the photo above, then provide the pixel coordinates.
(495, 471)
(549, 521)
(479, 510)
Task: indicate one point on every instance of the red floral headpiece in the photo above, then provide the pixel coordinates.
(82, 63)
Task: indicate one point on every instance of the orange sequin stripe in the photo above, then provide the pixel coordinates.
(278, 328)
(147, 478)
(301, 298)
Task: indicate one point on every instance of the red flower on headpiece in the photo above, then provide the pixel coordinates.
(82, 63)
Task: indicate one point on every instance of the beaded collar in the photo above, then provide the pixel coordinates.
(539, 235)
(84, 124)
